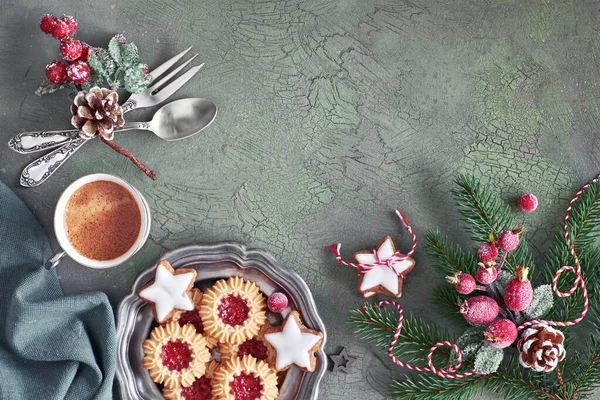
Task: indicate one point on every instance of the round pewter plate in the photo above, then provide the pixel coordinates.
(214, 262)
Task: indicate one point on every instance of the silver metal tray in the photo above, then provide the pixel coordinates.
(214, 262)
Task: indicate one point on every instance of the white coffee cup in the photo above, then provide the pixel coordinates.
(61, 231)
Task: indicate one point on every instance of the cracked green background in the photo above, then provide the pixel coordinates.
(332, 114)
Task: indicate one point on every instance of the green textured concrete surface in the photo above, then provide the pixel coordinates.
(332, 113)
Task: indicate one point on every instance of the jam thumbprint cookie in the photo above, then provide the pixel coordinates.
(233, 311)
(175, 356)
(254, 347)
(193, 317)
(169, 291)
(245, 379)
(292, 344)
(201, 389)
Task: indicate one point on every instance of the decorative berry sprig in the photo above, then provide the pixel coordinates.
(94, 75)
(85, 66)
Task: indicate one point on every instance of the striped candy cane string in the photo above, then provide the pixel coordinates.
(576, 271)
(363, 268)
(448, 373)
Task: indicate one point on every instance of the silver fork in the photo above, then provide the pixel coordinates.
(41, 169)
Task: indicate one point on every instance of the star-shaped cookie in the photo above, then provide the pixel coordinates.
(169, 291)
(292, 344)
(382, 279)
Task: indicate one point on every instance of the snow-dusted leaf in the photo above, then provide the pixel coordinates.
(101, 62)
(47, 87)
(468, 343)
(543, 300)
(136, 79)
(488, 360)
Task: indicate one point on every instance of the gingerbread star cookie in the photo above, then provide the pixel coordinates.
(386, 279)
(293, 344)
(169, 291)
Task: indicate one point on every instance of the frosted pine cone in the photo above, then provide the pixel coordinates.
(541, 348)
(97, 112)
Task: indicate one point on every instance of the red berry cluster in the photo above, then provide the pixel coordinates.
(484, 310)
(72, 50)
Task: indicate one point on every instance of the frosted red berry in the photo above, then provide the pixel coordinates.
(71, 24)
(59, 29)
(486, 273)
(487, 252)
(479, 310)
(500, 333)
(465, 283)
(85, 49)
(527, 202)
(46, 23)
(78, 72)
(508, 240)
(56, 72)
(70, 49)
(277, 302)
(518, 292)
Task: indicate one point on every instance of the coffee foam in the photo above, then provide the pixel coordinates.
(102, 220)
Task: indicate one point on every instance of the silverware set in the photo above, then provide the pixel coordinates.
(177, 120)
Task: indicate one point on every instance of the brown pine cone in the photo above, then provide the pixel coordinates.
(541, 348)
(97, 112)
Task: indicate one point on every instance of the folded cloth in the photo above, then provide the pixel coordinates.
(51, 346)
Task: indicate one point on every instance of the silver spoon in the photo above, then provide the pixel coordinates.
(174, 121)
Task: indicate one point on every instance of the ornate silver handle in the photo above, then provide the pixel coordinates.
(31, 142)
(41, 169)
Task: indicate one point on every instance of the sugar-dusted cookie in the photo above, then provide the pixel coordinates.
(193, 317)
(175, 356)
(245, 378)
(387, 278)
(201, 389)
(233, 311)
(292, 344)
(169, 290)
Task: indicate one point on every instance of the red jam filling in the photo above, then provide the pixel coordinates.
(245, 387)
(176, 355)
(233, 310)
(192, 317)
(200, 390)
(255, 347)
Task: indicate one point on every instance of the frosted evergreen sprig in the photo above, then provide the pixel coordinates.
(118, 67)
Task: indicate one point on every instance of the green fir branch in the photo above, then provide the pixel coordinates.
(584, 218)
(377, 326)
(445, 299)
(449, 258)
(432, 387)
(484, 212)
(589, 380)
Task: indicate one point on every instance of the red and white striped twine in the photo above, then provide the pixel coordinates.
(578, 282)
(363, 268)
(448, 372)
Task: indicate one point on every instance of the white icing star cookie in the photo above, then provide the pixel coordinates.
(382, 279)
(169, 291)
(293, 344)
